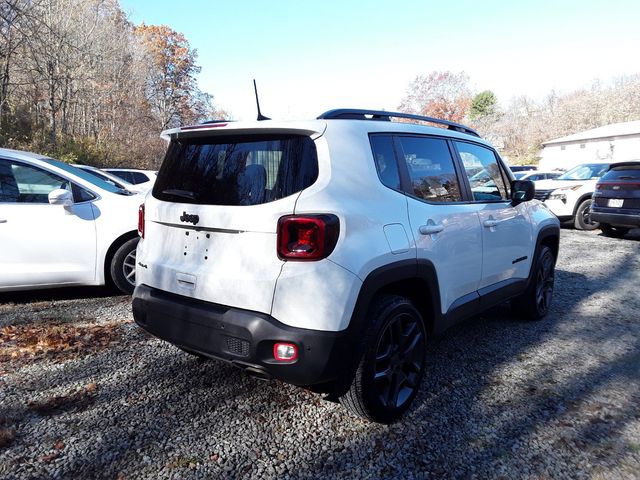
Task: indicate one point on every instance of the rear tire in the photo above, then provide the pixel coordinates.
(535, 302)
(391, 368)
(611, 231)
(123, 266)
(582, 221)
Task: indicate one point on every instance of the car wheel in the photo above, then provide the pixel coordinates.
(390, 371)
(582, 219)
(123, 266)
(611, 231)
(535, 302)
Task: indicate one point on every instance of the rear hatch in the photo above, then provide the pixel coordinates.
(618, 191)
(211, 220)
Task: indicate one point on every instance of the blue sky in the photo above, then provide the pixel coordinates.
(308, 57)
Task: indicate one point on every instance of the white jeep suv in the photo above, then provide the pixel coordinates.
(326, 253)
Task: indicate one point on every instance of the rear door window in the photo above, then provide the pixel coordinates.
(431, 170)
(236, 170)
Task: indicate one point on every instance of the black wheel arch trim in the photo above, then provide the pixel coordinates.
(389, 275)
(548, 232)
(115, 245)
(584, 197)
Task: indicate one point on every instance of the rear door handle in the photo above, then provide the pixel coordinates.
(430, 229)
(490, 223)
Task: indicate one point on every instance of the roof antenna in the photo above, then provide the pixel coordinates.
(260, 116)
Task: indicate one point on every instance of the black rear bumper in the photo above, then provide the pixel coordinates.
(242, 337)
(616, 219)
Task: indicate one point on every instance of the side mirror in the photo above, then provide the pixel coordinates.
(61, 196)
(522, 191)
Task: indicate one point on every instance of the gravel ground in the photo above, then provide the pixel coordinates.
(502, 398)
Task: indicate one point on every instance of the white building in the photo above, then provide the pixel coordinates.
(615, 142)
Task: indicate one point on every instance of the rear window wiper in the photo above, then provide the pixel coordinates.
(180, 193)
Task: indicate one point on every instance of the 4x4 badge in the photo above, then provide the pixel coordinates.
(189, 218)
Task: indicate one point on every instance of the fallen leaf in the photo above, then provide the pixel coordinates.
(50, 457)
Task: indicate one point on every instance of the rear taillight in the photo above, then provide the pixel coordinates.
(141, 220)
(307, 237)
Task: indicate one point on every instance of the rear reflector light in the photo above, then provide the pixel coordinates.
(141, 220)
(307, 237)
(285, 352)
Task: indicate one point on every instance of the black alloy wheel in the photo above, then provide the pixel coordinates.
(389, 372)
(399, 360)
(583, 217)
(544, 283)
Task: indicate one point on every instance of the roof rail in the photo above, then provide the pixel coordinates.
(381, 115)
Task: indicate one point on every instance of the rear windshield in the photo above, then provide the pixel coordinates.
(628, 172)
(236, 170)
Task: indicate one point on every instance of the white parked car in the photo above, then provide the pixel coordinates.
(326, 253)
(569, 195)
(60, 226)
(536, 175)
(112, 179)
(141, 178)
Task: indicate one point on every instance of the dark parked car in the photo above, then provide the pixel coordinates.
(616, 200)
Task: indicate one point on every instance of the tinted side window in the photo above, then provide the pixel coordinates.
(431, 171)
(485, 176)
(385, 159)
(119, 174)
(138, 177)
(20, 183)
(80, 194)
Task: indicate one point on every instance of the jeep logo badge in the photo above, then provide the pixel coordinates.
(189, 218)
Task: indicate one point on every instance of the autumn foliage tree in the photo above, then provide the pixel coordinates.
(79, 81)
(444, 95)
(171, 89)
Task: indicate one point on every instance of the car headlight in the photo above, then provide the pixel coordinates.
(573, 188)
(558, 196)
